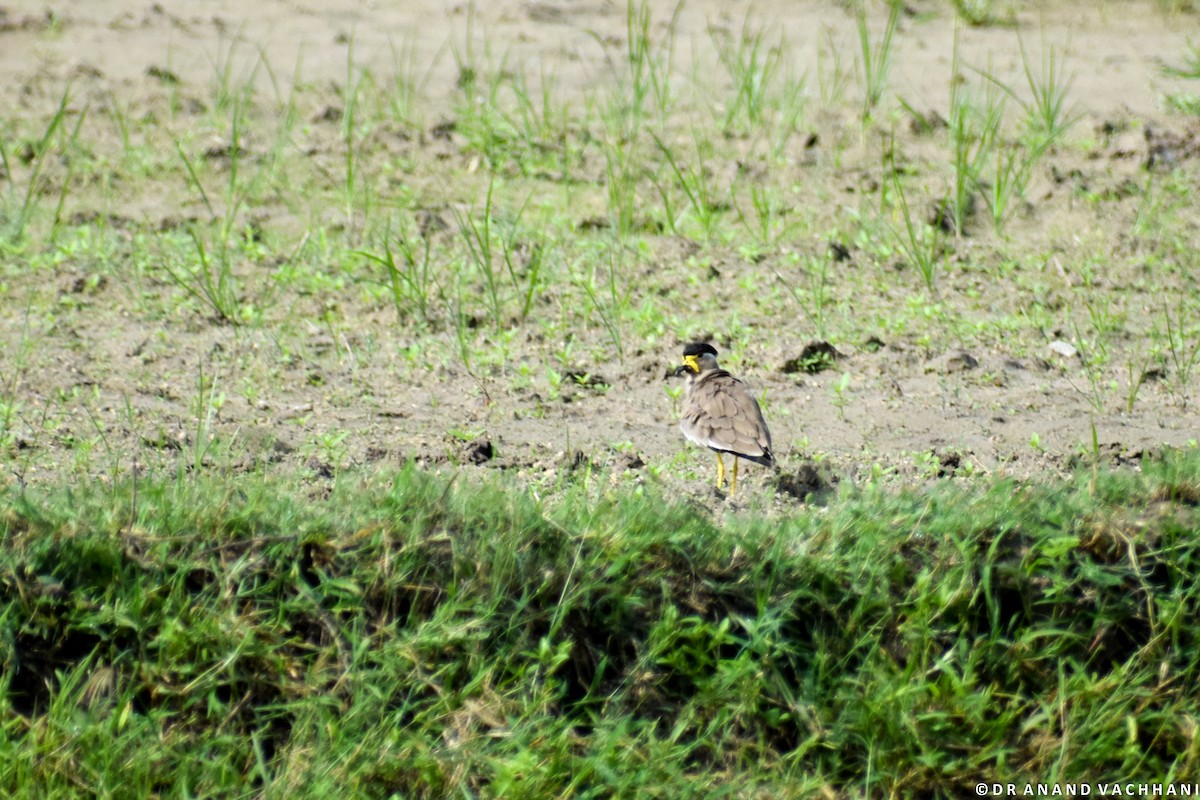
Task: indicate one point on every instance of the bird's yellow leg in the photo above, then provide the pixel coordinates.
(733, 480)
(720, 471)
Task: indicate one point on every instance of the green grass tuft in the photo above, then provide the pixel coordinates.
(421, 639)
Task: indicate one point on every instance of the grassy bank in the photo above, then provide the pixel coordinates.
(420, 638)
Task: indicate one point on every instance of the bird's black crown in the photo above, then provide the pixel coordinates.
(699, 348)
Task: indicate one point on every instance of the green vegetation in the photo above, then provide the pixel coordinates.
(414, 638)
(875, 57)
(226, 301)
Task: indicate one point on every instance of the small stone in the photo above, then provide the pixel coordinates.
(1064, 349)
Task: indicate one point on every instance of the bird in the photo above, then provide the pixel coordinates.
(720, 413)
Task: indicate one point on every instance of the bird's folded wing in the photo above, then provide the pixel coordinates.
(722, 415)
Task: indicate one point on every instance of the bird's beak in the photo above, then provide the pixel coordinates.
(689, 366)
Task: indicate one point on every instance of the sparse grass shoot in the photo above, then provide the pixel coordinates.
(875, 55)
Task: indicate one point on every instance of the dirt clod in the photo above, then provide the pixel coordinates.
(480, 451)
(956, 361)
(806, 482)
(163, 75)
(815, 357)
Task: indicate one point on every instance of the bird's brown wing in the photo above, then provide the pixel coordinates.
(720, 414)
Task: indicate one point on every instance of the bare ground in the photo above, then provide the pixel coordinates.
(106, 370)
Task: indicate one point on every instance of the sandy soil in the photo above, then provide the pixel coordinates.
(96, 368)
